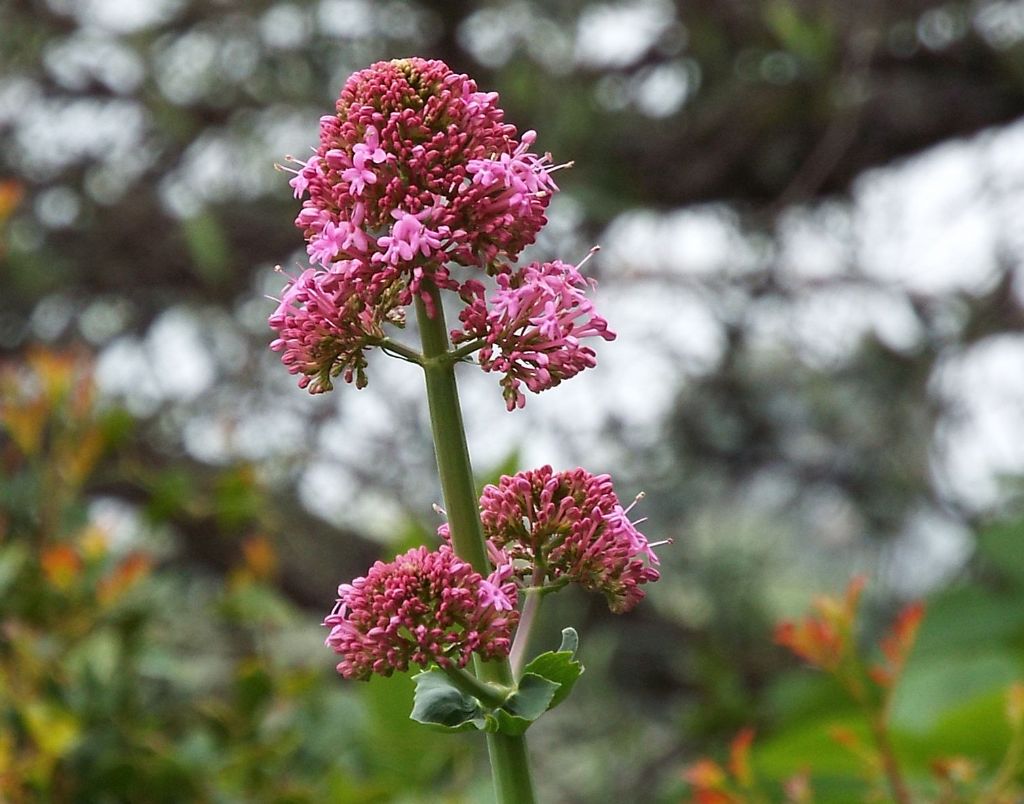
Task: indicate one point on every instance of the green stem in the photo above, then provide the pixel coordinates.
(465, 350)
(509, 763)
(521, 643)
(890, 765)
(486, 693)
(401, 350)
(510, 769)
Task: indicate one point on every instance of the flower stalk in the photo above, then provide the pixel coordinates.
(534, 594)
(510, 767)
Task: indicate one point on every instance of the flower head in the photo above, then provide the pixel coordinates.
(572, 525)
(424, 607)
(415, 173)
(411, 140)
(532, 327)
(325, 325)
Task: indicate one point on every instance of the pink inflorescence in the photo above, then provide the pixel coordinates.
(571, 525)
(324, 327)
(531, 327)
(426, 606)
(415, 172)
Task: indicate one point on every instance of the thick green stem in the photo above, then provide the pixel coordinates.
(509, 763)
(510, 768)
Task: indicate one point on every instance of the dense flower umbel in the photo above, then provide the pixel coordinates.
(424, 607)
(415, 172)
(532, 326)
(571, 526)
(418, 166)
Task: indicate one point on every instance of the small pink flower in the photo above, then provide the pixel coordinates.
(425, 607)
(408, 238)
(368, 150)
(498, 589)
(358, 178)
(325, 246)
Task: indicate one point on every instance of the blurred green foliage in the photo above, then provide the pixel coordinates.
(953, 715)
(124, 678)
(127, 676)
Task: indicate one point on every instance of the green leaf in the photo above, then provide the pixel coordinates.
(999, 547)
(786, 753)
(532, 697)
(545, 683)
(931, 688)
(501, 721)
(559, 667)
(964, 620)
(437, 702)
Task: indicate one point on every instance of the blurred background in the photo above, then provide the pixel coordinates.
(810, 219)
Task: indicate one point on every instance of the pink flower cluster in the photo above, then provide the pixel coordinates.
(531, 327)
(426, 606)
(416, 172)
(325, 327)
(571, 525)
(415, 175)
(412, 138)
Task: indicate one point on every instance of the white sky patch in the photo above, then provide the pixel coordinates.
(827, 325)
(661, 91)
(1000, 22)
(815, 243)
(180, 360)
(238, 160)
(108, 131)
(332, 495)
(928, 223)
(119, 16)
(701, 241)
(123, 526)
(931, 550)
(172, 363)
(272, 431)
(618, 35)
(123, 371)
(285, 26)
(982, 438)
(85, 56)
(493, 34)
(345, 19)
